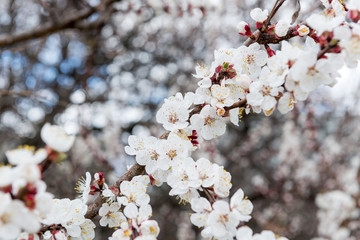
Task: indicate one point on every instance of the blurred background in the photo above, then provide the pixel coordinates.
(103, 76)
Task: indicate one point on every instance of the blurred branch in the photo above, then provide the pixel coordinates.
(72, 21)
(50, 10)
(29, 94)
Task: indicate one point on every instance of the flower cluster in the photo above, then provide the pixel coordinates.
(220, 219)
(250, 78)
(168, 161)
(133, 221)
(334, 208)
(24, 202)
(23, 197)
(67, 218)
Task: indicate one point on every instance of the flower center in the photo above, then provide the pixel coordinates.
(172, 153)
(154, 155)
(209, 121)
(250, 59)
(223, 219)
(173, 118)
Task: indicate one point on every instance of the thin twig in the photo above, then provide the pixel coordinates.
(327, 48)
(30, 94)
(208, 195)
(276, 7)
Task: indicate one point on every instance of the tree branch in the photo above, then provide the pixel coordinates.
(72, 21)
(93, 208)
(136, 169)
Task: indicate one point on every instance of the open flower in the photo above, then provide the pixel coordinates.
(208, 123)
(259, 15)
(56, 138)
(83, 187)
(26, 154)
(110, 215)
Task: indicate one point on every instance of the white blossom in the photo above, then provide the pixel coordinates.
(110, 215)
(83, 187)
(259, 15)
(241, 27)
(26, 154)
(183, 177)
(150, 227)
(241, 205)
(202, 209)
(208, 124)
(174, 113)
(303, 30)
(251, 59)
(281, 28)
(134, 191)
(221, 222)
(56, 138)
(222, 183)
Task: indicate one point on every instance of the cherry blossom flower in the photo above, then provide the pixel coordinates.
(202, 209)
(244, 233)
(263, 92)
(204, 73)
(208, 124)
(15, 217)
(83, 187)
(206, 172)
(241, 205)
(329, 20)
(222, 183)
(286, 103)
(174, 113)
(26, 154)
(281, 28)
(110, 215)
(124, 233)
(134, 191)
(172, 150)
(56, 138)
(56, 235)
(234, 116)
(87, 231)
(259, 15)
(251, 59)
(68, 213)
(183, 177)
(150, 227)
(350, 45)
(221, 96)
(221, 222)
(303, 30)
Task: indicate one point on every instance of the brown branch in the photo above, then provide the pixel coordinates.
(330, 46)
(276, 7)
(261, 37)
(208, 195)
(241, 103)
(72, 21)
(266, 38)
(93, 208)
